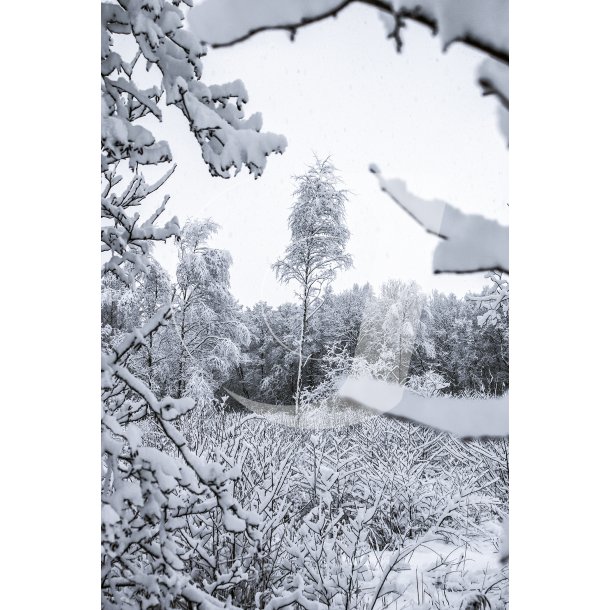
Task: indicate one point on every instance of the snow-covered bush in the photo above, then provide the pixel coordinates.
(343, 512)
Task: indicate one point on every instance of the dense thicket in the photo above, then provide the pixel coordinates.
(336, 516)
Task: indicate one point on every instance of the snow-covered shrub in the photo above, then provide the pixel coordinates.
(156, 505)
(430, 383)
(342, 510)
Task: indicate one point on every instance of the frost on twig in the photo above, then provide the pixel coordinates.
(470, 242)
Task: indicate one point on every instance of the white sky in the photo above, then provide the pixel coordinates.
(342, 90)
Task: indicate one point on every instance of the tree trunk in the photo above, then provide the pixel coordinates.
(297, 398)
(181, 358)
(242, 379)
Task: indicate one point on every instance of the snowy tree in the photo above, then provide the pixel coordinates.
(117, 308)
(208, 331)
(399, 325)
(316, 252)
(343, 314)
(153, 291)
(126, 308)
(268, 370)
(432, 342)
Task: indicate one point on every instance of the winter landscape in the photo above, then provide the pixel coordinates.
(305, 362)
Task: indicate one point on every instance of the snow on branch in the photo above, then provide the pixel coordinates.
(228, 139)
(494, 300)
(482, 24)
(129, 241)
(470, 242)
(463, 417)
(493, 80)
(479, 24)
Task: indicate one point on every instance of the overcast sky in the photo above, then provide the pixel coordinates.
(342, 90)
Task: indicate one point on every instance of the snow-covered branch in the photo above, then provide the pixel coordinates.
(494, 301)
(463, 417)
(129, 241)
(228, 140)
(481, 24)
(470, 242)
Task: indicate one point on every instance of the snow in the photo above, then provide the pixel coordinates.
(453, 572)
(486, 20)
(232, 522)
(503, 122)
(134, 436)
(171, 408)
(109, 515)
(496, 74)
(463, 417)
(504, 540)
(493, 78)
(471, 242)
(223, 21)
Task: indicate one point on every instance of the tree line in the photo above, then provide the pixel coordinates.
(431, 342)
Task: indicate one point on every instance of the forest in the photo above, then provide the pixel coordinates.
(431, 342)
(347, 499)
(235, 473)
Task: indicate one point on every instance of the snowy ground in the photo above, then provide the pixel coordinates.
(443, 575)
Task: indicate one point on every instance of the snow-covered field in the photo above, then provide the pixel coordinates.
(438, 574)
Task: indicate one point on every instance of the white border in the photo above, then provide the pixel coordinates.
(559, 329)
